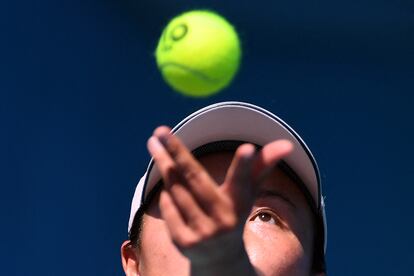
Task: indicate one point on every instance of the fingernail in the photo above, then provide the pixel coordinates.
(154, 144)
(249, 152)
(163, 139)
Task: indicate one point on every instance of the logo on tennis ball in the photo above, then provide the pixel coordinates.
(198, 53)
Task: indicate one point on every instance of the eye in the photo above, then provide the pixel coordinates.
(265, 217)
(179, 31)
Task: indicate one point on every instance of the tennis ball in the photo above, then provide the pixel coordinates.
(198, 53)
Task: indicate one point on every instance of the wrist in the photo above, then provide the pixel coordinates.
(220, 255)
(235, 264)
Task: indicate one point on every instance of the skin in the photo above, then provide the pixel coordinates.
(257, 212)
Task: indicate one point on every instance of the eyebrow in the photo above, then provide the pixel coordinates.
(272, 193)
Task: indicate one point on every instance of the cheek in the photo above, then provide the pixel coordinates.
(273, 251)
(159, 256)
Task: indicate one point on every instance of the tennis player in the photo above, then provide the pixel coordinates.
(230, 190)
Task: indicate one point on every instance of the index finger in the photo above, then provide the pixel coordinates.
(199, 182)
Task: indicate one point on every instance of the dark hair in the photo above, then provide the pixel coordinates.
(136, 227)
(318, 259)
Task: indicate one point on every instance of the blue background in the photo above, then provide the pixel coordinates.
(80, 94)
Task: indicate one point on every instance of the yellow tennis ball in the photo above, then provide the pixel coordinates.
(198, 53)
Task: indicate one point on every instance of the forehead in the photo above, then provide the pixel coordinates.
(218, 163)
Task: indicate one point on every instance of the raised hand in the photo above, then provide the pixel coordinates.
(205, 219)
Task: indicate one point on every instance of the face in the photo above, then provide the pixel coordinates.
(278, 234)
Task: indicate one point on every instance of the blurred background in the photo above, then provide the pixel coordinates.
(80, 94)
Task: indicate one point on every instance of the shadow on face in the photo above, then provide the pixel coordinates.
(278, 233)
